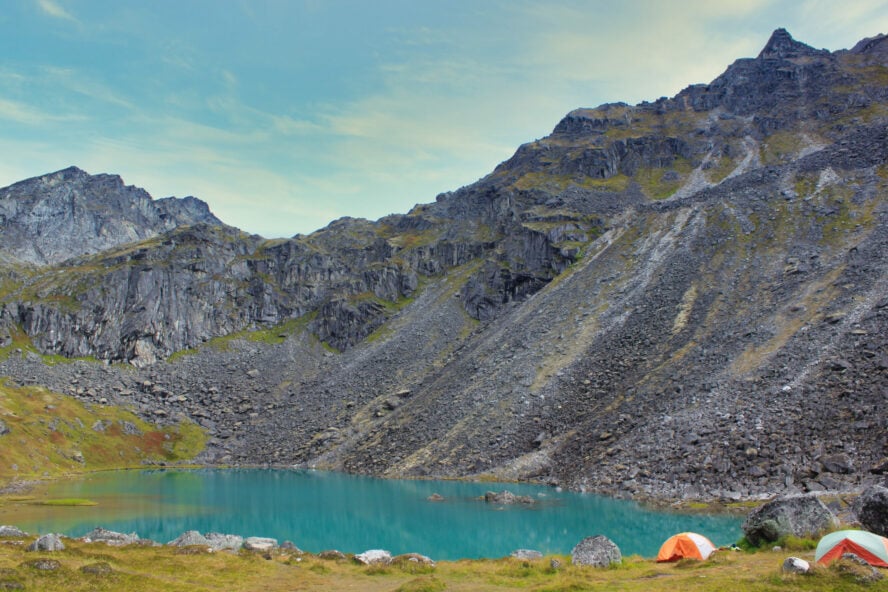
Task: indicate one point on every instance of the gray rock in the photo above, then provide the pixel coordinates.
(260, 544)
(597, 551)
(837, 463)
(507, 497)
(871, 509)
(190, 538)
(290, 546)
(798, 515)
(11, 532)
(413, 558)
(374, 557)
(794, 565)
(525, 554)
(332, 554)
(43, 564)
(102, 568)
(219, 542)
(855, 567)
(4, 429)
(47, 542)
(102, 535)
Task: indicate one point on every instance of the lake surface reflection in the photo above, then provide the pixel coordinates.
(319, 510)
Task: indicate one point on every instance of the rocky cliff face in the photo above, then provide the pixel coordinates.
(679, 298)
(70, 213)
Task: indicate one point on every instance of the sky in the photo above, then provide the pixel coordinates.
(284, 115)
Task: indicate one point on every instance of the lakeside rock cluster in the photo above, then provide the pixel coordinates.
(683, 299)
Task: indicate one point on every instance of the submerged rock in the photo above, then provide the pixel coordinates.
(507, 497)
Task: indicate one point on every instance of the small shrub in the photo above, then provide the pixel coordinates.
(423, 584)
(794, 543)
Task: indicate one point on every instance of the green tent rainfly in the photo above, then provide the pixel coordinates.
(870, 547)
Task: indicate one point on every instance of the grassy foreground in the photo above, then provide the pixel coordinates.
(98, 567)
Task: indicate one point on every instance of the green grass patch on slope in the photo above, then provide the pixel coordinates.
(51, 434)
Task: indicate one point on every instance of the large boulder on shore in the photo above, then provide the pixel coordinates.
(797, 515)
(109, 537)
(47, 542)
(190, 538)
(597, 551)
(11, 531)
(871, 509)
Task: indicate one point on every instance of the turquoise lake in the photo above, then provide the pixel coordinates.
(319, 511)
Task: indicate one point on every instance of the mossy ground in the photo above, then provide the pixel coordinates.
(167, 569)
(52, 435)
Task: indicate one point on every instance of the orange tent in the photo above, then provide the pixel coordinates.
(685, 545)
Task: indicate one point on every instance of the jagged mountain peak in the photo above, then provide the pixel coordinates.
(69, 212)
(782, 46)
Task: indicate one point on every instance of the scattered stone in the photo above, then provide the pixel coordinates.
(129, 428)
(11, 532)
(11, 585)
(506, 497)
(260, 544)
(554, 564)
(292, 548)
(837, 463)
(332, 554)
(374, 557)
(526, 554)
(190, 538)
(47, 542)
(109, 537)
(43, 564)
(413, 558)
(4, 429)
(853, 567)
(101, 568)
(794, 565)
(435, 497)
(597, 551)
(871, 509)
(798, 515)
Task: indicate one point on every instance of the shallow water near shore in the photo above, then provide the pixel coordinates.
(320, 510)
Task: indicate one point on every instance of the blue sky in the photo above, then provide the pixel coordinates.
(284, 115)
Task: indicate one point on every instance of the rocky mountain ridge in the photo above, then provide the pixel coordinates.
(684, 298)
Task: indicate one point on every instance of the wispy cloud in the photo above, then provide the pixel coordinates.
(26, 114)
(55, 10)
